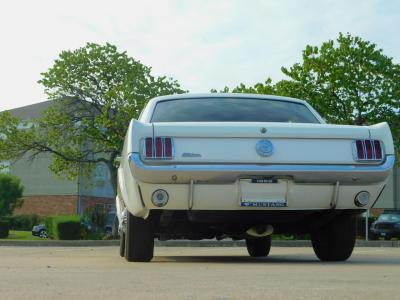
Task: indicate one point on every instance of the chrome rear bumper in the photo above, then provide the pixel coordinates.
(358, 174)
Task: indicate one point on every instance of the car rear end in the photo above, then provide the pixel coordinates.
(254, 165)
(244, 167)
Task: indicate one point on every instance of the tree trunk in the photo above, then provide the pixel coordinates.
(113, 176)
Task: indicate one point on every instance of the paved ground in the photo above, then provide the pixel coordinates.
(196, 273)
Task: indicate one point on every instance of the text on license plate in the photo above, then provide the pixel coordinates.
(264, 203)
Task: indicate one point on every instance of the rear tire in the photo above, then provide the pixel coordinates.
(258, 247)
(122, 244)
(388, 237)
(335, 241)
(139, 238)
(373, 237)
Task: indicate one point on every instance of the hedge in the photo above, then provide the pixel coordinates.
(4, 229)
(23, 222)
(63, 227)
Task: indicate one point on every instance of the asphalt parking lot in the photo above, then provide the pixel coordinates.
(196, 273)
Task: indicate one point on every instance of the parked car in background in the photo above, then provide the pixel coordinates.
(386, 226)
(40, 231)
(109, 228)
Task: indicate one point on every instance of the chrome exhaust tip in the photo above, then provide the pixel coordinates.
(260, 231)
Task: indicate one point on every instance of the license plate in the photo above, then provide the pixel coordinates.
(264, 203)
(383, 233)
(263, 192)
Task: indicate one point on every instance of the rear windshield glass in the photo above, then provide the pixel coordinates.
(232, 110)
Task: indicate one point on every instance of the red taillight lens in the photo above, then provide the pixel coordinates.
(368, 150)
(158, 148)
(360, 150)
(378, 150)
(168, 147)
(149, 147)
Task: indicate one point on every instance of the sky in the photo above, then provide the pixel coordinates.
(203, 44)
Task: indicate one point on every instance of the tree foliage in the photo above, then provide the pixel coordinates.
(349, 81)
(11, 192)
(96, 91)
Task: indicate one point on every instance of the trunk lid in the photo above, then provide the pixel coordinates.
(236, 142)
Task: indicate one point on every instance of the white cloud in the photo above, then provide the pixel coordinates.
(202, 44)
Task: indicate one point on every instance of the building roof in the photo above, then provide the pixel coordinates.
(32, 111)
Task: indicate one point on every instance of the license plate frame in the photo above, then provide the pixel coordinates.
(268, 194)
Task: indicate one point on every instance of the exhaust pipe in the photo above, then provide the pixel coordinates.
(260, 231)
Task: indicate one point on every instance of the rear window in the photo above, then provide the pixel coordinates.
(232, 110)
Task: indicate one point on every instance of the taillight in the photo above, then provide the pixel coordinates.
(368, 150)
(158, 148)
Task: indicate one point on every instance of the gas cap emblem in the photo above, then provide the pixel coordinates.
(264, 148)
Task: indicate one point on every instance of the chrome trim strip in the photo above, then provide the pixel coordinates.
(373, 149)
(364, 149)
(348, 174)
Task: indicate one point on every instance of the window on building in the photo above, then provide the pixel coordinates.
(25, 125)
(5, 167)
(100, 172)
(100, 208)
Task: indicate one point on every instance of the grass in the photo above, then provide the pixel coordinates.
(21, 235)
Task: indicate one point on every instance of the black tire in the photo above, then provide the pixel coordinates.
(114, 229)
(122, 244)
(335, 241)
(43, 234)
(139, 238)
(258, 247)
(373, 236)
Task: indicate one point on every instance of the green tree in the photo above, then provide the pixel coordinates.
(349, 81)
(96, 91)
(10, 194)
(266, 88)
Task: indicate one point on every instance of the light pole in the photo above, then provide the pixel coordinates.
(366, 224)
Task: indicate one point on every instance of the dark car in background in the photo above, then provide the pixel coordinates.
(111, 227)
(386, 226)
(40, 231)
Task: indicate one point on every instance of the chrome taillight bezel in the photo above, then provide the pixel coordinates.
(154, 156)
(365, 159)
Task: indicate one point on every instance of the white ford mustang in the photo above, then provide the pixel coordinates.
(244, 167)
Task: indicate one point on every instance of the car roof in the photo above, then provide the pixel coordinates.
(224, 95)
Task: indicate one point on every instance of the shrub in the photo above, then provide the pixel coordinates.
(4, 229)
(24, 222)
(10, 194)
(63, 227)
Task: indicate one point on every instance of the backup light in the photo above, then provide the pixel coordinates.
(362, 198)
(159, 198)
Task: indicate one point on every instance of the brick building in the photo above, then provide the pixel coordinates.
(45, 193)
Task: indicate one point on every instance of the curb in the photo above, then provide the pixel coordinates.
(182, 243)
